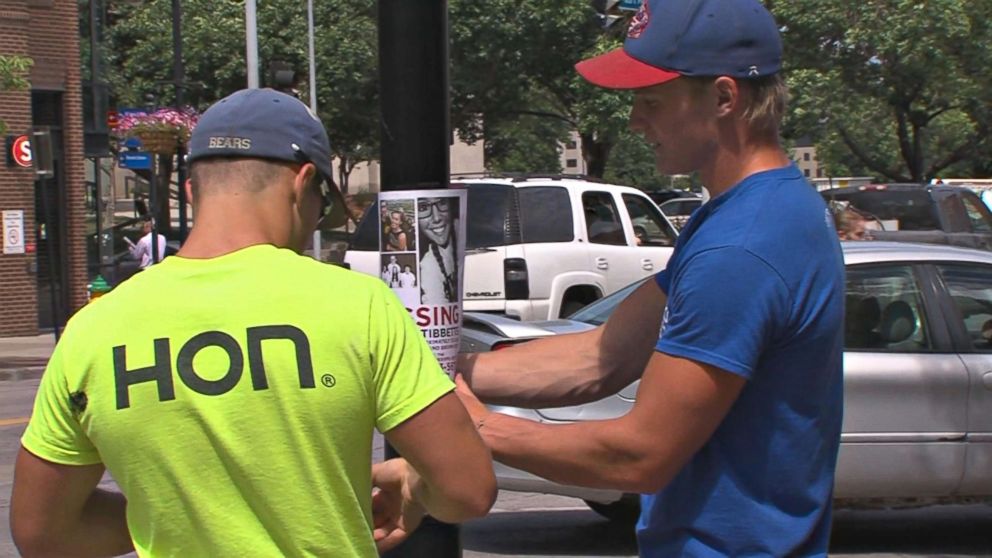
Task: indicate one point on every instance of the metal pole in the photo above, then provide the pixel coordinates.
(415, 138)
(179, 82)
(104, 248)
(55, 286)
(313, 58)
(153, 207)
(251, 43)
(317, 247)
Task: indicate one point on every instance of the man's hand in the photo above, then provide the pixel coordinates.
(476, 409)
(395, 512)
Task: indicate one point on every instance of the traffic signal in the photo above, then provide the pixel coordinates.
(283, 78)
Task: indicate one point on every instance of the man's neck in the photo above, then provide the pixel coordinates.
(222, 230)
(735, 161)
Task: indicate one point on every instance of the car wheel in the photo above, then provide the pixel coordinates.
(625, 510)
(570, 307)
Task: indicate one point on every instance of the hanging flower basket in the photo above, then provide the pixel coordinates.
(162, 142)
(161, 131)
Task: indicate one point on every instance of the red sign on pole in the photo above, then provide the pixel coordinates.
(20, 151)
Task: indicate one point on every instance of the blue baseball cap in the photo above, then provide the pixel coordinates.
(668, 39)
(267, 124)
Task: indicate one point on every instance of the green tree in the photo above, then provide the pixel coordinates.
(525, 144)
(898, 89)
(510, 60)
(139, 61)
(13, 76)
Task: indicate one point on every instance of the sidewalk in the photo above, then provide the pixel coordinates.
(24, 358)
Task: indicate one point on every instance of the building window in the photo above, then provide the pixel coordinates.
(819, 173)
(571, 144)
(805, 156)
(806, 172)
(571, 163)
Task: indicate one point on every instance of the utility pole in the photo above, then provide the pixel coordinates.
(179, 82)
(415, 138)
(318, 249)
(251, 43)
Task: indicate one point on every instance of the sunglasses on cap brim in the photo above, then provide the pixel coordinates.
(323, 187)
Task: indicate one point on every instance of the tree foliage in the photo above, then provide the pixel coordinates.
(898, 89)
(139, 59)
(13, 76)
(513, 61)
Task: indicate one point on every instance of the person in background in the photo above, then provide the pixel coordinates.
(236, 406)
(737, 343)
(142, 250)
(850, 224)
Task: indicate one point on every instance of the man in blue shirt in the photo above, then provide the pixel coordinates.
(733, 439)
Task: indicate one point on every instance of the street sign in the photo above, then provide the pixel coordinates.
(20, 151)
(135, 160)
(13, 232)
(630, 5)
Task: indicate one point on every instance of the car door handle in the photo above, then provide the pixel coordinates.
(647, 265)
(987, 380)
(602, 263)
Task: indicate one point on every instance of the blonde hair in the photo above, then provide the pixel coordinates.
(766, 99)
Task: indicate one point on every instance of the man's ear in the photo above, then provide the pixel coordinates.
(728, 95)
(189, 191)
(302, 181)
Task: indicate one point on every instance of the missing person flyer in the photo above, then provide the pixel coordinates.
(422, 250)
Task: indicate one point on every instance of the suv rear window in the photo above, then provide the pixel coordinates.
(488, 225)
(545, 214)
(498, 215)
(914, 210)
(488, 207)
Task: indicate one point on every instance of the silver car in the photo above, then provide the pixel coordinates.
(917, 379)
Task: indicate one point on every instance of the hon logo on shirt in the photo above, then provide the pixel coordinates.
(161, 371)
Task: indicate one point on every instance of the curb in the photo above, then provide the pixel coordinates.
(18, 374)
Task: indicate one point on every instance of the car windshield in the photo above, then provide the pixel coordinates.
(598, 312)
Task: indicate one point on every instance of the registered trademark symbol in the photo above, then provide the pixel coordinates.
(328, 380)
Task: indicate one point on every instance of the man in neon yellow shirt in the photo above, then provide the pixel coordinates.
(235, 407)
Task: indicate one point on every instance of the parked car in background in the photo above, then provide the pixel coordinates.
(921, 213)
(661, 196)
(543, 247)
(679, 210)
(917, 379)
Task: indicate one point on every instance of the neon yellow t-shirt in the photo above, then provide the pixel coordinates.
(233, 400)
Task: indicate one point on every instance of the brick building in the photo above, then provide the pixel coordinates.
(47, 282)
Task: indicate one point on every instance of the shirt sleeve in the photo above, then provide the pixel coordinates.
(725, 307)
(406, 375)
(54, 432)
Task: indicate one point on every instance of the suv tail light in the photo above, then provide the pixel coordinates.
(515, 279)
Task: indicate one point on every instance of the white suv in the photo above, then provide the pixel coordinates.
(541, 248)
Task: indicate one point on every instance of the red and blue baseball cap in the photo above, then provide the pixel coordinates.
(268, 124)
(672, 38)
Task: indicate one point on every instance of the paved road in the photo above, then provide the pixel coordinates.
(549, 526)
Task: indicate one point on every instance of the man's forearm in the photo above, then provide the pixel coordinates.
(553, 371)
(572, 369)
(101, 530)
(596, 454)
(103, 526)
